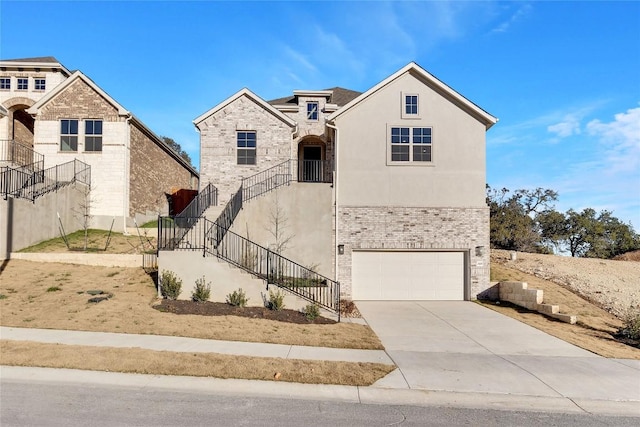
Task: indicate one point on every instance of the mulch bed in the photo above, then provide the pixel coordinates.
(210, 308)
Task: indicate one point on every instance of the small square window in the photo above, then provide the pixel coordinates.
(39, 84)
(23, 83)
(5, 82)
(411, 104)
(93, 135)
(68, 135)
(312, 111)
(246, 148)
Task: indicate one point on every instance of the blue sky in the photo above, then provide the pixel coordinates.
(562, 77)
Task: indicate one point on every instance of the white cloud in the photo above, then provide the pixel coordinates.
(621, 140)
(522, 11)
(568, 127)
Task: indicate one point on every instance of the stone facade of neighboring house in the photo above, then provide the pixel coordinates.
(405, 161)
(64, 115)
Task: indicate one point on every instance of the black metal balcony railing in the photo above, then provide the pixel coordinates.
(315, 171)
(21, 155)
(275, 269)
(31, 185)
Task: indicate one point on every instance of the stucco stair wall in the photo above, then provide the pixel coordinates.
(306, 217)
(225, 278)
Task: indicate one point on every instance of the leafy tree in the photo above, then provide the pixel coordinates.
(512, 217)
(177, 148)
(587, 233)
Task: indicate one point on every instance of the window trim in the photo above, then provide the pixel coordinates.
(403, 105)
(18, 79)
(310, 113)
(93, 136)
(70, 135)
(410, 145)
(245, 148)
(35, 84)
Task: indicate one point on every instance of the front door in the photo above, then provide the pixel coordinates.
(311, 168)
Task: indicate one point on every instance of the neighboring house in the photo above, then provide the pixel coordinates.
(393, 178)
(64, 115)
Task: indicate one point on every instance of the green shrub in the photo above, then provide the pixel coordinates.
(202, 291)
(54, 289)
(276, 300)
(237, 298)
(170, 285)
(312, 312)
(631, 321)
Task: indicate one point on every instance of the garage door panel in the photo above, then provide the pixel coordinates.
(379, 275)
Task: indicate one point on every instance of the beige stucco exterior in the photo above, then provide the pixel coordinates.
(376, 204)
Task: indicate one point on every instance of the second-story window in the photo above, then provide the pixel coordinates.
(411, 105)
(93, 135)
(39, 84)
(23, 83)
(312, 111)
(68, 135)
(246, 146)
(5, 83)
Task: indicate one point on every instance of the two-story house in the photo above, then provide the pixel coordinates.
(389, 192)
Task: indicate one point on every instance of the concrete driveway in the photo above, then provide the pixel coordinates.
(463, 347)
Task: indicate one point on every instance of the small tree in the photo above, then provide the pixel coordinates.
(82, 212)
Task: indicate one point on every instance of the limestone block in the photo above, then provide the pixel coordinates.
(567, 318)
(548, 309)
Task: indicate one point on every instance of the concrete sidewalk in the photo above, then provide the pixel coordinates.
(193, 345)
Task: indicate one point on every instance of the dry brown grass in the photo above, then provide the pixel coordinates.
(595, 326)
(139, 361)
(28, 303)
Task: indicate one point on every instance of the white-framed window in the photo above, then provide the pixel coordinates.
(23, 83)
(68, 135)
(5, 83)
(246, 147)
(39, 83)
(410, 144)
(93, 135)
(410, 105)
(312, 111)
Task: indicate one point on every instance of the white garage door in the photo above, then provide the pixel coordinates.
(378, 275)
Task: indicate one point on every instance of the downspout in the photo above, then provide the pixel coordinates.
(127, 145)
(335, 191)
(294, 132)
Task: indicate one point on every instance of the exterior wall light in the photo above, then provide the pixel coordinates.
(479, 250)
(340, 249)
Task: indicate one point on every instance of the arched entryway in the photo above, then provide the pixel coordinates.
(312, 160)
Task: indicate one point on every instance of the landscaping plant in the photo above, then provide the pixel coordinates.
(202, 291)
(312, 312)
(237, 298)
(276, 300)
(170, 285)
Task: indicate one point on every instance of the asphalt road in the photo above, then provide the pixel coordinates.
(28, 403)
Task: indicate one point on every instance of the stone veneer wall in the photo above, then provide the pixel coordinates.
(218, 161)
(79, 101)
(411, 228)
(153, 174)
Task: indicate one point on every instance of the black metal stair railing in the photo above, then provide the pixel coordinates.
(21, 155)
(267, 180)
(257, 260)
(30, 185)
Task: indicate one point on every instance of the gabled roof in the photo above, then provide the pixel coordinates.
(65, 84)
(339, 96)
(431, 81)
(255, 98)
(36, 62)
